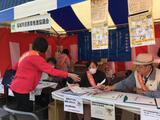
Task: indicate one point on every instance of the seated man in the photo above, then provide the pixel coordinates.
(144, 80)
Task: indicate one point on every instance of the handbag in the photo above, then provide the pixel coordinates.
(8, 77)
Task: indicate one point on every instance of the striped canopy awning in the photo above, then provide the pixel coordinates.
(68, 16)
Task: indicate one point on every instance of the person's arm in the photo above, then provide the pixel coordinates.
(15, 66)
(153, 94)
(43, 66)
(68, 62)
(128, 83)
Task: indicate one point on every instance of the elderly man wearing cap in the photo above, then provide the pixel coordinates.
(144, 80)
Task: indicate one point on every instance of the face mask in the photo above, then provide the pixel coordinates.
(92, 70)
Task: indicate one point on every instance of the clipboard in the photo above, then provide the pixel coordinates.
(140, 100)
(157, 101)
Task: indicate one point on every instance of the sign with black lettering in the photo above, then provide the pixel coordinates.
(102, 110)
(73, 104)
(31, 23)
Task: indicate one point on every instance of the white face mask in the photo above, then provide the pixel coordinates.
(93, 70)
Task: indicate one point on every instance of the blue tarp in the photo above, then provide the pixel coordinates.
(119, 46)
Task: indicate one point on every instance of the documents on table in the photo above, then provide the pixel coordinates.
(150, 114)
(139, 99)
(73, 104)
(81, 90)
(91, 92)
(75, 88)
(43, 84)
(39, 89)
(103, 111)
(109, 95)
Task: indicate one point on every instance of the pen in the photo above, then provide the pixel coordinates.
(125, 98)
(102, 82)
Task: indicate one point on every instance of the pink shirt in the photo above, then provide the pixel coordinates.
(29, 73)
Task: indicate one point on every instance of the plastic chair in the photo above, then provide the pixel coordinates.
(3, 113)
(15, 113)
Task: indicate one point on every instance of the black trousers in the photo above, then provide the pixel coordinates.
(23, 102)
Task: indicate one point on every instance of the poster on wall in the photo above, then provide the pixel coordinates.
(141, 28)
(138, 6)
(99, 18)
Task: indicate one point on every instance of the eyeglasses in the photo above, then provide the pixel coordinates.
(141, 66)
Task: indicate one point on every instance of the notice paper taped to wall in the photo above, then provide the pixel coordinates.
(99, 20)
(141, 30)
(138, 6)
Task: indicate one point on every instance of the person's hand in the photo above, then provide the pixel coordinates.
(140, 91)
(99, 86)
(72, 85)
(75, 77)
(108, 88)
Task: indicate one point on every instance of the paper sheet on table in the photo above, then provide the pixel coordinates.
(74, 89)
(139, 99)
(43, 84)
(109, 95)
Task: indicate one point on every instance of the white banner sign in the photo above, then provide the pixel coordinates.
(99, 15)
(137, 6)
(103, 111)
(149, 114)
(31, 23)
(73, 104)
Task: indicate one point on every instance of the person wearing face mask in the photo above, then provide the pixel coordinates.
(92, 76)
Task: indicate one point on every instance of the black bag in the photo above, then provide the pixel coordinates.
(8, 77)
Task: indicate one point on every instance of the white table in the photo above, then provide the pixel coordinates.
(37, 91)
(132, 107)
(40, 87)
(34, 93)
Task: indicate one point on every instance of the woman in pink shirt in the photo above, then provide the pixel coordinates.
(63, 61)
(28, 73)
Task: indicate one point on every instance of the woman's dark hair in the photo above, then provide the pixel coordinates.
(52, 60)
(95, 62)
(65, 51)
(40, 44)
